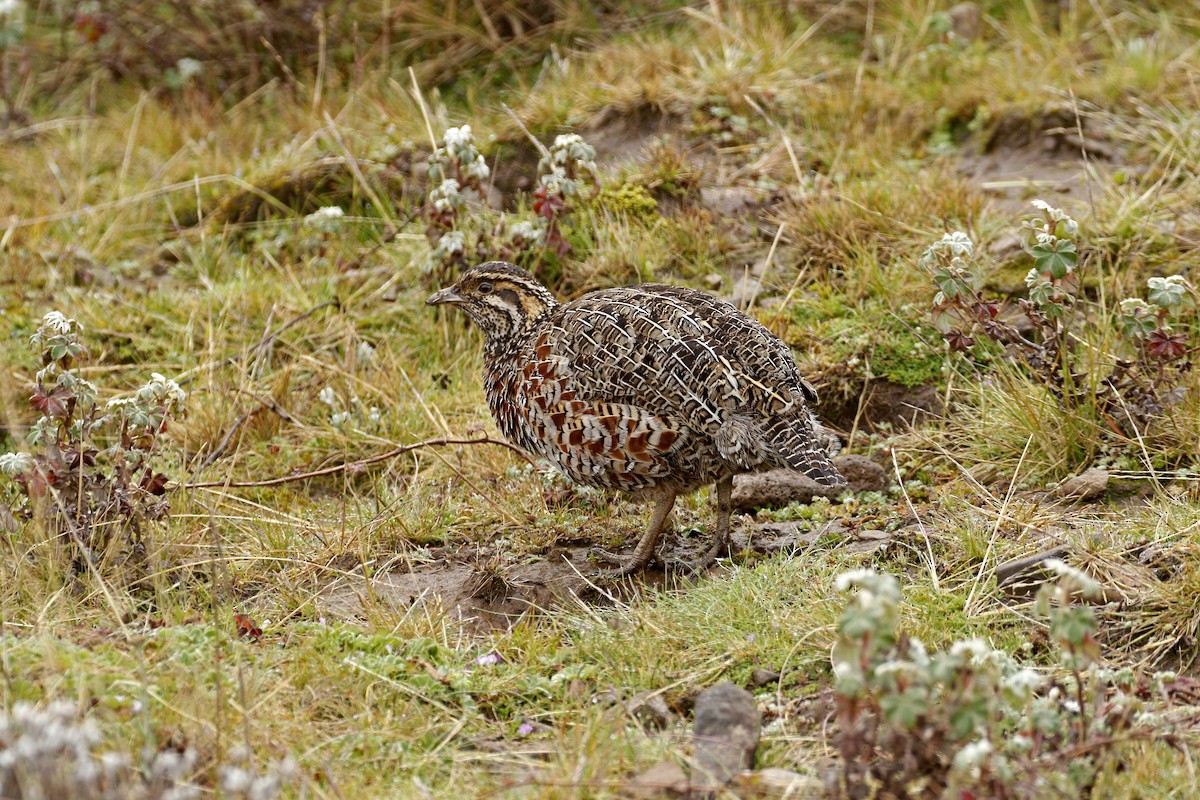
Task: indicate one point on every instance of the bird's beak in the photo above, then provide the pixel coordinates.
(447, 295)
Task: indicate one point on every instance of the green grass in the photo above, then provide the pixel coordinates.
(170, 224)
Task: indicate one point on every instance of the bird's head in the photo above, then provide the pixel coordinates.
(502, 298)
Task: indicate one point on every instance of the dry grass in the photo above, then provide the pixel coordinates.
(170, 224)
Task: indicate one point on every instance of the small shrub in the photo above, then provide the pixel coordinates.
(972, 721)
(1127, 389)
(91, 471)
(48, 754)
(461, 228)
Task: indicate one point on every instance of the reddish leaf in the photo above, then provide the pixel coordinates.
(959, 341)
(247, 628)
(986, 310)
(548, 205)
(154, 483)
(1166, 345)
(53, 403)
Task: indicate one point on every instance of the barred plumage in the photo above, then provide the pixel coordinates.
(651, 389)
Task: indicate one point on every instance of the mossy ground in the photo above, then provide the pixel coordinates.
(831, 142)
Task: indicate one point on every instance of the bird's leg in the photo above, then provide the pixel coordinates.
(645, 546)
(720, 545)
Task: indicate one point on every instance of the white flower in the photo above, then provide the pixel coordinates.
(1057, 215)
(976, 650)
(15, 463)
(452, 243)
(1023, 682)
(971, 756)
(445, 195)
(1134, 306)
(339, 419)
(477, 169)
(556, 182)
(525, 231)
(327, 396)
(1087, 584)
(457, 138)
(186, 67)
(55, 320)
(326, 212)
(958, 243)
(852, 578)
(326, 218)
(235, 780)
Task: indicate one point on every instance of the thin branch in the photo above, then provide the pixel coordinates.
(353, 466)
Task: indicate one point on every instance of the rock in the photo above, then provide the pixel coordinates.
(746, 290)
(965, 21)
(778, 487)
(660, 781)
(713, 280)
(781, 537)
(1005, 247)
(863, 474)
(1089, 485)
(869, 541)
(763, 677)
(726, 732)
(775, 782)
(650, 709)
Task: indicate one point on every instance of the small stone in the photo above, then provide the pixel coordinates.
(1089, 485)
(713, 280)
(863, 474)
(650, 709)
(763, 677)
(728, 200)
(775, 488)
(726, 733)
(874, 535)
(965, 21)
(660, 781)
(1005, 247)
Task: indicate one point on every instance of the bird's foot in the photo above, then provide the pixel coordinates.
(625, 565)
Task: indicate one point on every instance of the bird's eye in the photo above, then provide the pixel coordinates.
(485, 288)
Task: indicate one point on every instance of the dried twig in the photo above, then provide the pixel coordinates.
(353, 466)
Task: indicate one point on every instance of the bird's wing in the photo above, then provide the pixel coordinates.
(677, 352)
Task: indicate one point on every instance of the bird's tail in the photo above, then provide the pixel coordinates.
(803, 445)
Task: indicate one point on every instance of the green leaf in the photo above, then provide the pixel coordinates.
(904, 709)
(1057, 259)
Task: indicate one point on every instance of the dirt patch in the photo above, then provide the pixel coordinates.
(886, 402)
(1043, 156)
(485, 597)
(623, 136)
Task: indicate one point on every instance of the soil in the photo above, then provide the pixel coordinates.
(490, 598)
(1045, 157)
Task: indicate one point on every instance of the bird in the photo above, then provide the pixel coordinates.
(654, 390)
